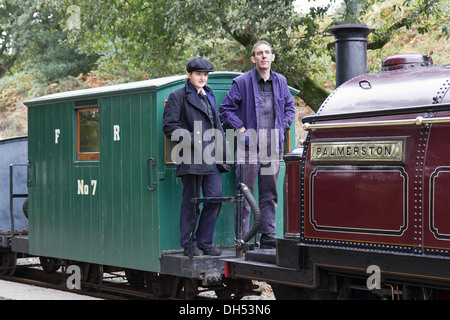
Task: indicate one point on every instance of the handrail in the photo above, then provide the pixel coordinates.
(153, 187)
(420, 121)
(13, 195)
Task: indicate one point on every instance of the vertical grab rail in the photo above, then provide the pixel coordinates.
(153, 187)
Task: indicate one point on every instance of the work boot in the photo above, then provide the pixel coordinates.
(267, 241)
(196, 252)
(212, 251)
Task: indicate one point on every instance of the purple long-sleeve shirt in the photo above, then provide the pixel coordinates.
(240, 107)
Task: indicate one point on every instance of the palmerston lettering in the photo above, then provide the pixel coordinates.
(355, 151)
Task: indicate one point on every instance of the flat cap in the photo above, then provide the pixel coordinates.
(199, 64)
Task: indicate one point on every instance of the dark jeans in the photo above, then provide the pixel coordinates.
(268, 196)
(211, 186)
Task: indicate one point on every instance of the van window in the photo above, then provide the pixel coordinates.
(88, 134)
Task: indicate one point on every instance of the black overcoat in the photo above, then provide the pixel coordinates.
(185, 110)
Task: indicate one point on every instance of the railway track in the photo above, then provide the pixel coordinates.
(113, 286)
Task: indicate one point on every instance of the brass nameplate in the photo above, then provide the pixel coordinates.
(358, 151)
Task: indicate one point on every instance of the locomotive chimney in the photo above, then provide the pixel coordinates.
(351, 50)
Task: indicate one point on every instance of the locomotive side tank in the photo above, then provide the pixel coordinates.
(376, 157)
(366, 194)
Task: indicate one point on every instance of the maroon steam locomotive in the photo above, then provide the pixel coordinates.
(368, 193)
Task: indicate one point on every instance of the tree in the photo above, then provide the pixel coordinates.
(290, 34)
(407, 14)
(130, 37)
(46, 52)
(15, 17)
(31, 37)
(159, 36)
(295, 37)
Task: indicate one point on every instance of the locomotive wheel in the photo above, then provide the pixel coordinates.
(92, 273)
(7, 263)
(50, 265)
(25, 208)
(188, 289)
(136, 278)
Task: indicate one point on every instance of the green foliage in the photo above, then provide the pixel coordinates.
(130, 38)
(155, 38)
(46, 44)
(15, 19)
(30, 38)
(47, 54)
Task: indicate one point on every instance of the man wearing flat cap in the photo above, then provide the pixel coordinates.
(188, 114)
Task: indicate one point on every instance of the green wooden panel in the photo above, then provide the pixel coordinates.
(129, 209)
(84, 239)
(49, 203)
(169, 187)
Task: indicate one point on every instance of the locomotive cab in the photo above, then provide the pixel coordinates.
(366, 200)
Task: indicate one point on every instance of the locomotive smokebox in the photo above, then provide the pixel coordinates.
(351, 50)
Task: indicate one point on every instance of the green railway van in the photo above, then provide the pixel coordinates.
(102, 188)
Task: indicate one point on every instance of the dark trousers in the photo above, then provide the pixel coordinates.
(268, 195)
(211, 186)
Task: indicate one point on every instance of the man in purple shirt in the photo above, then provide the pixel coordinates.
(260, 107)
